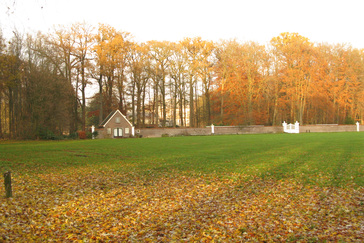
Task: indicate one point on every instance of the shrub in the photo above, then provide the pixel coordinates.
(88, 135)
(82, 135)
(95, 134)
(73, 135)
(45, 134)
(349, 120)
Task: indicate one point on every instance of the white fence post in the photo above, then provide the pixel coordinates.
(212, 129)
(92, 131)
(284, 124)
(357, 126)
(297, 127)
(132, 131)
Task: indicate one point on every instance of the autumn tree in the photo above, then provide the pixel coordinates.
(205, 63)
(160, 53)
(222, 71)
(12, 75)
(2, 84)
(190, 49)
(36, 94)
(61, 56)
(111, 54)
(346, 83)
(48, 94)
(295, 56)
(241, 70)
(178, 73)
(139, 75)
(82, 34)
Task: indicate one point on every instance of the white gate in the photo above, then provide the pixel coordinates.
(291, 128)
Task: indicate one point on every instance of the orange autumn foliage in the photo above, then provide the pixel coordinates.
(292, 80)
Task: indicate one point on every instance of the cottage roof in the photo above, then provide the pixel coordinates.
(110, 116)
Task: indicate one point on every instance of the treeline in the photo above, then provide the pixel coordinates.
(45, 79)
(290, 80)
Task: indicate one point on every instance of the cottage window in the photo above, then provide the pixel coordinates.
(127, 130)
(109, 131)
(117, 120)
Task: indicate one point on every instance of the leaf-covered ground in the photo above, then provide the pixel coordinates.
(89, 205)
(273, 187)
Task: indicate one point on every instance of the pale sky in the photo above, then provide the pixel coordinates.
(330, 21)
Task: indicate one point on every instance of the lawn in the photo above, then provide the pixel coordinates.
(269, 187)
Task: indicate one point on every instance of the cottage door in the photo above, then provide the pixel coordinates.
(118, 132)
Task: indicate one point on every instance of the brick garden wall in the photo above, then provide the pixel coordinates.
(159, 132)
(330, 128)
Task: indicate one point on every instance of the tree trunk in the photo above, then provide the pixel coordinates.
(83, 109)
(11, 114)
(121, 94)
(138, 101)
(75, 108)
(208, 108)
(133, 104)
(164, 107)
(156, 105)
(1, 118)
(175, 110)
(101, 118)
(222, 104)
(192, 113)
(83, 93)
(163, 93)
(110, 82)
(181, 102)
(250, 99)
(143, 107)
(207, 101)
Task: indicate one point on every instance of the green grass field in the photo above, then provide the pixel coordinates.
(337, 157)
(275, 187)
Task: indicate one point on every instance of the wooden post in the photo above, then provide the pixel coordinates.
(7, 182)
